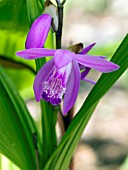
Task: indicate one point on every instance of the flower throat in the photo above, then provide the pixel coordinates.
(53, 89)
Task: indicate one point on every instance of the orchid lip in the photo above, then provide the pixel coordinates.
(53, 89)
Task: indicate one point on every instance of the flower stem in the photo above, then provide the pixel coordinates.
(63, 2)
(60, 25)
(64, 122)
(68, 118)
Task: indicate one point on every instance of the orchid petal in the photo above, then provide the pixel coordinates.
(63, 57)
(34, 53)
(41, 76)
(38, 32)
(65, 71)
(83, 67)
(87, 49)
(96, 63)
(85, 72)
(72, 88)
(89, 81)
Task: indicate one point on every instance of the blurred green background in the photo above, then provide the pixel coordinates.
(102, 21)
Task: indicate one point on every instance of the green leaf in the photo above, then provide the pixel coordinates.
(64, 152)
(33, 10)
(13, 15)
(49, 141)
(11, 63)
(10, 43)
(16, 126)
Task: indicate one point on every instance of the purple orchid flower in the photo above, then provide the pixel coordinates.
(61, 75)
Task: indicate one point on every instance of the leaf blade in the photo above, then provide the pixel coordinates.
(15, 120)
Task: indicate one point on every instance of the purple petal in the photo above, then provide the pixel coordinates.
(87, 49)
(41, 76)
(83, 67)
(85, 72)
(96, 63)
(65, 71)
(38, 32)
(72, 88)
(63, 57)
(89, 81)
(34, 53)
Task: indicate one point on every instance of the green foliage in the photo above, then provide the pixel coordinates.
(11, 63)
(49, 141)
(64, 152)
(11, 42)
(13, 15)
(16, 126)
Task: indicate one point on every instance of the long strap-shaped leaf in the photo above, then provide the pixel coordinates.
(16, 126)
(61, 157)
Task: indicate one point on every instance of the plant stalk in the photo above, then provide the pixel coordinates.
(60, 25)
(66, 119)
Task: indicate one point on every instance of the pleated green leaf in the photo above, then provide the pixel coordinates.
(64, 152)
(16, 126)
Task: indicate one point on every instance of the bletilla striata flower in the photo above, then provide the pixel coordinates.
(61, 75)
